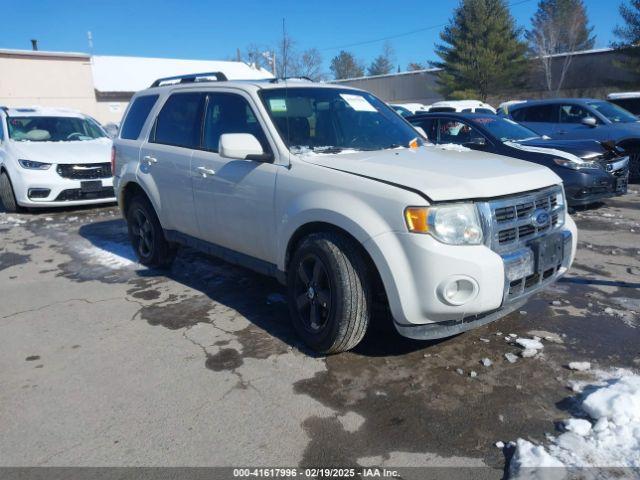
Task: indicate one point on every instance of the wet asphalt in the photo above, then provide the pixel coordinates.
(106, 363)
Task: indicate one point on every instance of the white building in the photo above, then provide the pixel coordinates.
(99, 86)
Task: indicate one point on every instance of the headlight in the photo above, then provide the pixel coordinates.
(455, 224)
(584, 165)
(31, 165)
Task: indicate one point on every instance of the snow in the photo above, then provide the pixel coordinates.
(579, 426)
(499, 444)
(130, 74)
(511, 358)
(528, 352)
(453, 147)
(486, 362)
(580, 366)
(112, 254)
(473, 374)
(530, 343)
(610, 438)
(8, 219)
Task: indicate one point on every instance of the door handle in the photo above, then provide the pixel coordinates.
(204, 171)
(149, 159)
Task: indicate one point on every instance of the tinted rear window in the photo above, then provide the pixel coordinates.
(538, 113)
(442, 109)
(179, 122)
(136, 117)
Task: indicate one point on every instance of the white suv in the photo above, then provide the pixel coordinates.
(51, 158)
(330, 191)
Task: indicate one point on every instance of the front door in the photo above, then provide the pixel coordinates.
(234, 198)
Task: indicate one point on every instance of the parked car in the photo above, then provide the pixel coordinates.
(465, 106)
(406, 109)
(583, 118)
(112, 129)
(589, 170)
(52, 158)
(630, 101)
(351, 212)
(503, 108)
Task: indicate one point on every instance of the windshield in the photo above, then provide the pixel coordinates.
(613, 112)
(53, 129)
(329, 120)
(505, 129)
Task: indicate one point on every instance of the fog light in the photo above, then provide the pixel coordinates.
(38, 192)
(458, 290)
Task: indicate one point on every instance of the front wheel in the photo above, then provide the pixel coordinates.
(7, 195)
(329, 292)
(147, 236)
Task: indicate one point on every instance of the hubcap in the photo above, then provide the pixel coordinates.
(143, 233)
(313, 293)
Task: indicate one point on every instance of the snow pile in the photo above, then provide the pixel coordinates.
(610, 439)
(580, 366)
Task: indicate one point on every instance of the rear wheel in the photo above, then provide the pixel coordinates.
(329, 292)
(147, 236)
(7, 195)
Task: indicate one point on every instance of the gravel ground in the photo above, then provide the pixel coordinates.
(106, 363)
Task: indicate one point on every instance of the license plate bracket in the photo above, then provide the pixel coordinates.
(548, 251)
(91, 186)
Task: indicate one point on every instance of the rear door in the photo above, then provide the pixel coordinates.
(234, 199)
(542, 119)
(165, 159)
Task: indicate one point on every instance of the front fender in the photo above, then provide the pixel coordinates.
(340, 209)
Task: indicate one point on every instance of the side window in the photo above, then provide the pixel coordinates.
(2, 119)
(230, 113)
(573, 113)
(429, 127)
(451, 131)
(136, 117)
(538, 113)
(179, 122)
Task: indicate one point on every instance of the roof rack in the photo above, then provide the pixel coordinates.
(191, 78)
(284, 79)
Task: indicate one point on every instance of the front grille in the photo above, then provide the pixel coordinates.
(512, 219)
(85, 171)
(77, 194)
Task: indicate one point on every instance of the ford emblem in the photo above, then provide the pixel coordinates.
(540, 218)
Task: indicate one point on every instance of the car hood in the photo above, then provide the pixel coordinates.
(580, 148)
(442, 174)
(84, 151)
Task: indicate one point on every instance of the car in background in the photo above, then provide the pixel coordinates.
(52, 158)
(630, 101)
(112, 129)
(406, 109)
(463, 106)
(589, 170)
(503, 108)
(583, 119)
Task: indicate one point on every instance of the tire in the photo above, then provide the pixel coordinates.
(7, 197)
(147, 236)
(329, 292)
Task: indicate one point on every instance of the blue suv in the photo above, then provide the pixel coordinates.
(580, 119)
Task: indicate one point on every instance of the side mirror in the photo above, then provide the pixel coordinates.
(242, 146)
(589, 121)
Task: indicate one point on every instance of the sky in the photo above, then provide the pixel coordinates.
(213, 30)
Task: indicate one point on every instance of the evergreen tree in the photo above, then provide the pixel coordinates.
(383, 63)
(482, 52)
(345, 65)
(628, 36)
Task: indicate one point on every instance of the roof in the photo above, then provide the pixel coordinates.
(459, 103)
(621, 95)
(130, 74)
(43, 53)
(546, 101)
(36, 111)
(251, 85)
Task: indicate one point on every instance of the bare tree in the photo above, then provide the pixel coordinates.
(558, 27)
(310, 65)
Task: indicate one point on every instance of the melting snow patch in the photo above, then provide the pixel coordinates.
(610, 439)
(112, 254)
(528, 352)
(8, 219)
(530, 343)
(511, 358)
(486, 362)
(581, 366)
